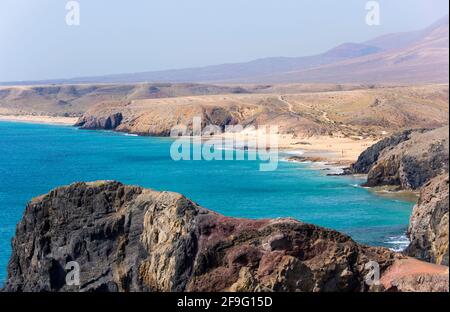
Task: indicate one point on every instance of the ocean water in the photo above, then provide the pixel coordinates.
(36, 158)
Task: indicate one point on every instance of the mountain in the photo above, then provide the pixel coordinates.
(240, 72)
(410, 57)
(418, 57)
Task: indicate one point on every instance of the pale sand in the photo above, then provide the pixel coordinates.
(40, 119)
(332, 149)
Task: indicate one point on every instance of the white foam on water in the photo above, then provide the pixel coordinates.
(399, 243)
(295, 152)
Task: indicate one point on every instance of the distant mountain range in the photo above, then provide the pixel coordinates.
(409, 57)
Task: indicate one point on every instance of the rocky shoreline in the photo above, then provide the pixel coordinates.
(415, 160)
(126, 238)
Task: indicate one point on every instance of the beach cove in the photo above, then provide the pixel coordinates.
(36, 158)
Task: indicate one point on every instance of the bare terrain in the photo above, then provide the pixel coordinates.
(74, 100)
(337, 120)
(356, 114)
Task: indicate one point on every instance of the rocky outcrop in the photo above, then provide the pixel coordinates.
(416, 159)
(370, 156)
(109, 122)
(428, 229)
(126, 238)
(158, 117)
(408, 160)
(412, 275)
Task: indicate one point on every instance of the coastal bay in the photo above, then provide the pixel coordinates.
(63, 155)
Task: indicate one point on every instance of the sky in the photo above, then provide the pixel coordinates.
(143, 35)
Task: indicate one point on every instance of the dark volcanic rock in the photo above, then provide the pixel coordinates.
(428, 230)
(110, 122)
(370, 156)
(408, 160)
(126, 238)
(416, 159)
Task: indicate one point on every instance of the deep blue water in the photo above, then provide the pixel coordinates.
(36, 158)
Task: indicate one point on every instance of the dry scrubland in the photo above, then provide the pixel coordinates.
(74, 100)
(356, 113)
(337, 120)
(341, 122)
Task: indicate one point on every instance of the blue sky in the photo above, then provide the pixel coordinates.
(142, 35)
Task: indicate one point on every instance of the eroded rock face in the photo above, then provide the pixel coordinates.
(127, 238)
(109, 122)
(428, 230)
(408, 160)
(416, 160)
(370, 156)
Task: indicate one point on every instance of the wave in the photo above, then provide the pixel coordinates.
(294, 152)
(398, 243)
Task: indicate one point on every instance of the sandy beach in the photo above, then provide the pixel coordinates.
(331, 149)
(334, 150)
(52, 120)
(338, 150)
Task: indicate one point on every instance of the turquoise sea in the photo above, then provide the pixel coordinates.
(36, 158)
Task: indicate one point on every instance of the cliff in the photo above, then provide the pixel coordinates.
(408, 159)
(126, 238)
(428, 229)
(351, 114)
(417, 160)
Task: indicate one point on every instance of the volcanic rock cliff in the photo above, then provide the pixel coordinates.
(428, 229)
(126, 238)
(408, 159)
(416, 160)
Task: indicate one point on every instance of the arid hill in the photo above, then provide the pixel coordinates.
(358, 113)
(74, 100)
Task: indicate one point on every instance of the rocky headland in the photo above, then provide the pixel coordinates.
(126, 238)
(416, 160)
(408, 159)
(428, 229)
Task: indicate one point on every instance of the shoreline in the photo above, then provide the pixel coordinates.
(327, 161)
(334, 151)
(47, 120)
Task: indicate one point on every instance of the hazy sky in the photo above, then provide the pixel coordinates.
(141, 35)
